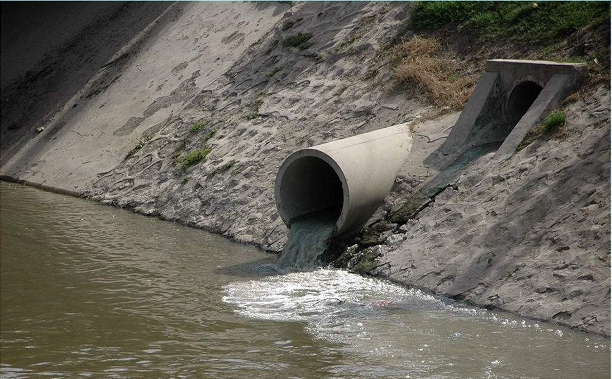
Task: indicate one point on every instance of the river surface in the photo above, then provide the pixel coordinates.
(90, 291)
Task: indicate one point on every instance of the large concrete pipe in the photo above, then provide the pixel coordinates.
(350, 177)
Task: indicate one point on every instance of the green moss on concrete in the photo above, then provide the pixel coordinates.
(364, 261)
(409, 209)
(372, 235)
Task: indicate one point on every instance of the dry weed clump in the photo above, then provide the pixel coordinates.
(423, 65)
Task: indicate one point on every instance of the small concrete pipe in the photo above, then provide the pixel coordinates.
(351, 176)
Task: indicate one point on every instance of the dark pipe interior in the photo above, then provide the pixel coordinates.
(521, 99)
(310, 185)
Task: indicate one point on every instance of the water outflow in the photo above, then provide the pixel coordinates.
(309, 238)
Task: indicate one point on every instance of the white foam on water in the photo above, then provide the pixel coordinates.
(334, 304)
(390, 330)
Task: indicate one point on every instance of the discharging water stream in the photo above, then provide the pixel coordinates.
(308, 239)
(89, 291)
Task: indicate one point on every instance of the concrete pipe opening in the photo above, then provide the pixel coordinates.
(349, 177)
(309, 185)
(520, 100)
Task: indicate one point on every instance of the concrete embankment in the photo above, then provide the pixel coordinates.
(530, 235)
(186, 111)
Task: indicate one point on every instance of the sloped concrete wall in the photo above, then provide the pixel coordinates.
(182, 49)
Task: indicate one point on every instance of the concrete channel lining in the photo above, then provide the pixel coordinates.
(353, 175)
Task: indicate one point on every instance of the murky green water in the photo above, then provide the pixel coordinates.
(94, 291)
(308, 239)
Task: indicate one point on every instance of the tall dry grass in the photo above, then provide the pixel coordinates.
(423, 65)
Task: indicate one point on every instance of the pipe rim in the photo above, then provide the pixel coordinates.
(310, 152)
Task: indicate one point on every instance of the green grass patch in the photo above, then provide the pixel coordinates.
(210, 134)
(193, 157)
(176, 156)
(273, 71)
(298, 40)
(185, 160)
(553, 122)
(197, 126)
(522, 21)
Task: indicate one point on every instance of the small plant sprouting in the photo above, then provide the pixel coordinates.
(193, 157)
(351, 40)
(287, 25)
(554, 121)
(176, 156)
(237, 170)
(299, 40)
(209, 135)
(273, 71)
(197, 126)
(255, 110)
(551, 124)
